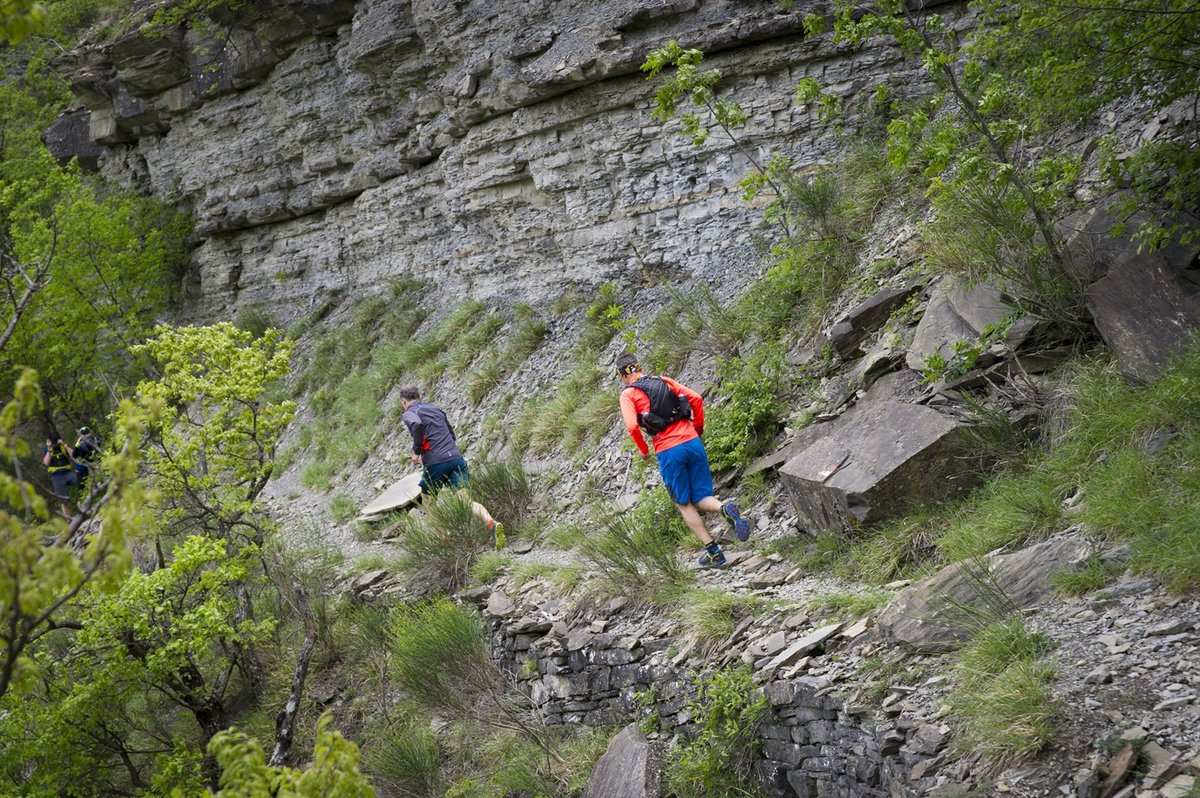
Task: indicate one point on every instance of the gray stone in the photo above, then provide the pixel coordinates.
(367, 579)
(1098, 675)
(1145, 312)
(957, 313)
(878, 459)
(500, 605)
(865, 318)
(769, 646)
(804, 645)
(921, 617)
(628, 768)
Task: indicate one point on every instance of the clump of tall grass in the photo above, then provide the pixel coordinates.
(405, 759)
(636, 559)
(526, 336)
(709, 617)
(503, 487)
(1091, 575)
(1001, 699)
(442, 662)
(441, 544)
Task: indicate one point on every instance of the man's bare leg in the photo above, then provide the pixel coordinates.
(691, 517)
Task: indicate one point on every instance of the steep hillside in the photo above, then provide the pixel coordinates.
(942, 311)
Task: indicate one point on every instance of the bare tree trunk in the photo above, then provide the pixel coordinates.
(285, 721)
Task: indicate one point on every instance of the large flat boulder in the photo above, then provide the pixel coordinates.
(958, 312)
(924, 617)
(400, 495)
(1145, 311)
(874, 462)
(628, 768)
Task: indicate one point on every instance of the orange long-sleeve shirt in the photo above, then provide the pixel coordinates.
(635, 401)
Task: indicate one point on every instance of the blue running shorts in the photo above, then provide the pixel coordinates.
(685, 472)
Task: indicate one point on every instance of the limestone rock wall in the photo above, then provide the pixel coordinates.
(504, 151)
(602, 667)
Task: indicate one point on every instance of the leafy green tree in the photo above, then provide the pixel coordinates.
(333, 774)
(95, 268)
(1066, 61)
(19, 18)
(212, 451)
(109, 701)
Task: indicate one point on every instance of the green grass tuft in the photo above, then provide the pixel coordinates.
(1091, 576)
(342, 508)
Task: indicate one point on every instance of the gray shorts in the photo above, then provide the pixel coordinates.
(62, 481)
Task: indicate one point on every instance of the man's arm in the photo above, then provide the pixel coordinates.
(629, 416)
(416, 428)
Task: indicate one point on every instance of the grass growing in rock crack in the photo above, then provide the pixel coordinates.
(1088, 577)
(709, 616)
(342, 508)
(442, 662)
(488, 566)
(566, 537)
(1001, 700)
(1133, 453)
(850, 605)
(483, 379)
(525, 573)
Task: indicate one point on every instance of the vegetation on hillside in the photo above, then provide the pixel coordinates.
(147, 641)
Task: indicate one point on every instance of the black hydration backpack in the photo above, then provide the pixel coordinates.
(665, 406)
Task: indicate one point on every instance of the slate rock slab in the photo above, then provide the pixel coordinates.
(1145, 312)
(879, 458)
(922, 618)
(957, 313)
(400, 495)
(628, 768)
(866, 317)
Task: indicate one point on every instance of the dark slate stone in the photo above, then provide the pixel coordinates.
(874, 462)
(627, 770)
(865, 318)
(70, 137)
(1145, 312)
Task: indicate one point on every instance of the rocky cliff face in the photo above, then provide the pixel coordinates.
(502, 150)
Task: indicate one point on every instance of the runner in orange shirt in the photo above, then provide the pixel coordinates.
(673, 414)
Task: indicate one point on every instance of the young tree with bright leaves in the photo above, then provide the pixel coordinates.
(111, 701)
(212, 451)
(333, 774)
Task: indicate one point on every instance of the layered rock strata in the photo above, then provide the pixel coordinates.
(327, 145)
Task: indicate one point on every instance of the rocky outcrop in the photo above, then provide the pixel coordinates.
(929, 616)
(881, 457)
(628, 769)
(1146, 312)
(325, 145)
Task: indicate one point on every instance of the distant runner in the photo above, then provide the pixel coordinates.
(673, 415)
(59, 460)
(435, 448)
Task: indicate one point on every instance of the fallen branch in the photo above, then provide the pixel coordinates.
(285, 721)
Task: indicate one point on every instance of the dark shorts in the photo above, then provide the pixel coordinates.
(685, 472)
(439, 475)
(62, 481)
